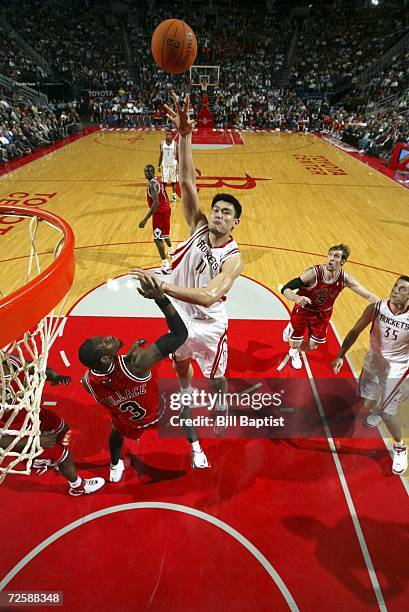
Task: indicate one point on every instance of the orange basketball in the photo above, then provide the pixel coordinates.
(174, 46)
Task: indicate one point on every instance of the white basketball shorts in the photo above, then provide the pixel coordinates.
(388, 386)
(206, 344)
(169, 174)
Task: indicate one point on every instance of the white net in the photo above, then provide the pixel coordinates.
(23, 364)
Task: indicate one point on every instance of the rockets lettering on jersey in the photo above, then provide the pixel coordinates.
(162, 196)
(323, 293)
(195, 264)
(390, 334)
(131, 400)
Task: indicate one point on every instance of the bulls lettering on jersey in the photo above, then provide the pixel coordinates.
(131, 400)
(390, 334)
(195, 264)
(324, 292)
(162, 196)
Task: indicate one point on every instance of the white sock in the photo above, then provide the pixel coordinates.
(76, 483)
(399, 444)
(196, 447)
(293, 351)
(165, 263)
(187, 390)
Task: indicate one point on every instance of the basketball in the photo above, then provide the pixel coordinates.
(174, 46)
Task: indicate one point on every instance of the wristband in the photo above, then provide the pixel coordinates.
(163, 302)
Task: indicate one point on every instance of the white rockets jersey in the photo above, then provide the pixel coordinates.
(194, 265)
(390, 334)
(168, 153)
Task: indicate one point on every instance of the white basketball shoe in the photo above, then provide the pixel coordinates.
(400, 459)
(116, 471)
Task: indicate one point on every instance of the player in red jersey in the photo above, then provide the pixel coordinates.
(159, 210)
(314, 293)
(125, 385)
(54, 432)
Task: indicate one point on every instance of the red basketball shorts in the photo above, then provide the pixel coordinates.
(161, 224)
(312, 322)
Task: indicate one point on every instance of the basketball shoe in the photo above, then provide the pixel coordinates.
(87, 486)
(116, 471)
(164, 270)
(400, 459)
(373, 420)
(296, 361)
(287, 332)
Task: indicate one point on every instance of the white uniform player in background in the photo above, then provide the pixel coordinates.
(204, 268)
(384, 378)
(168, 159)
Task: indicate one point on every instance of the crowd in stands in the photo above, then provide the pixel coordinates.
(337, 41)
(26, 127)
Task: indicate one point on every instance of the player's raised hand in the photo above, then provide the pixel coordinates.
(302, 300)
(150, 287)
(337, 364)
(180, 116)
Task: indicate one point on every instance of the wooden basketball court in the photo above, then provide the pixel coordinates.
(291, 215)
(299, 503)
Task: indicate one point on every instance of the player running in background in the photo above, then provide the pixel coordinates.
(168, 159)
(126, 386)
(159, 210)
(383, 383)
(54, 435)
(314, 293)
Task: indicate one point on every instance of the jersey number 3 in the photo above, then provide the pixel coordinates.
(137, 411)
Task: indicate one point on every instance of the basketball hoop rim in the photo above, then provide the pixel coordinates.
(25, 307)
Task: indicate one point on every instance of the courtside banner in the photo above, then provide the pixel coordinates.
(271, 408)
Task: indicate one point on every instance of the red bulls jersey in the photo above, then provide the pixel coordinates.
(162, 195)
(131, 400)
(323, 293)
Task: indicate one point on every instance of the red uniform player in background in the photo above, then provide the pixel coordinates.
(314, 293)
(159, 210)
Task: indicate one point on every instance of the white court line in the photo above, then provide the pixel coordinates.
(358, 529)
(62, 325)
(162, 506)
(64, 358)
(48, 403)
(250, 389)
(284, 361)
(382, 432)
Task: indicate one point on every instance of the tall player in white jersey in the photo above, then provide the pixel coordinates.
(384, 378)
(204, 268)
(168, 159)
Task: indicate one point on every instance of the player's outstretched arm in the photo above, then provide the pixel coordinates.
(352, 336)
(353, 284)
(140, 361)
(289, 290)
(187, 173)
(207, 295)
